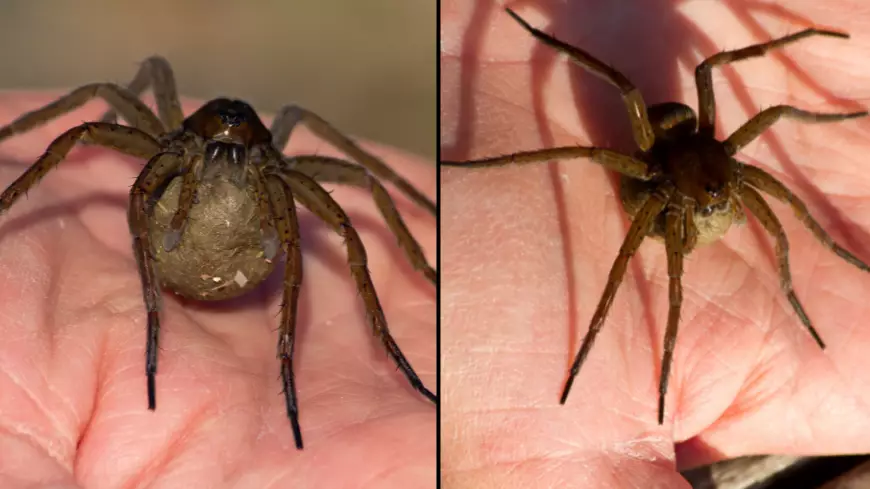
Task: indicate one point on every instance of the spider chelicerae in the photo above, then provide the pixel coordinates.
(213, 209)
(682, 185)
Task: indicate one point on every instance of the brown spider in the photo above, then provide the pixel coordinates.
(683, 185)
(219, 192)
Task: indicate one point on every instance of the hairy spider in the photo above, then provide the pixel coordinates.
(219, 192)
(682, 185)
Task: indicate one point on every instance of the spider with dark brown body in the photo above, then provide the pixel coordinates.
(683, 185)
(219, 192)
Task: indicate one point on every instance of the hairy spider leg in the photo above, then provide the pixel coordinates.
(674, 242)
(157, 173)
(636, 234)
(290, 116)
(156, 72)
(755, 203)
(753, 128)
(704, 71)
(131, 108)
(631, 96)
(765, 182)
(613, 160)
(281, 199)
(334, 170)
(270, 240)
(127, 140)
(755, 178)
(316, 199)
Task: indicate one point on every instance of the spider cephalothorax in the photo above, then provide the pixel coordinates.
(682, 184)
(214, 206)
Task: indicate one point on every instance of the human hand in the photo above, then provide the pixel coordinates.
(73, 410)
(526, 252)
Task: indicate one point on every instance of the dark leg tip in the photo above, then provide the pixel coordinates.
(428, 394)
(431, 276)
(566, 390)
(297, 431)
(152, 401)
(518, 18)
(661, 410)
(816, 337)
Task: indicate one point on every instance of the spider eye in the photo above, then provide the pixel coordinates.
(712, 190)
(707, 211)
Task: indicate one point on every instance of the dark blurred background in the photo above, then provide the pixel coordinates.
(367, 66)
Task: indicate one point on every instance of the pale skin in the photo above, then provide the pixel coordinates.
(73, 410)
(526, 253)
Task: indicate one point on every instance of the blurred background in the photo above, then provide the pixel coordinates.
(367, 66)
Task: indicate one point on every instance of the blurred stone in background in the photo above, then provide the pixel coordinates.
(367, 66)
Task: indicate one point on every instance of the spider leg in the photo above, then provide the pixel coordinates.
(753, 128)
(157, 173)
(131, 108)
(610, 159)
(290, 116)
(689, 229)
(674, 222)
(637, 111)
(282, 203)
(191, 172)
(268, 235)
(157, 73)
(314, 197)
(640, 226)
(766, 182)
(334, 170)
(704, 71)
(121, 138)
(756, 205)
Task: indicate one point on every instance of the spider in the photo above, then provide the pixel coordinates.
(683, 186)
(218, 195)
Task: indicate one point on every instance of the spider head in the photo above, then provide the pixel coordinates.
(230, 129)
(228, 121)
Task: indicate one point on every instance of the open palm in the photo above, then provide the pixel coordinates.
(526, 253)
(73, 409)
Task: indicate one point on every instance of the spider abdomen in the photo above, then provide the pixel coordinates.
(220, 255)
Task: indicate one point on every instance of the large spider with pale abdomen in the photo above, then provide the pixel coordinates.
(683, 185)
(214, 207)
